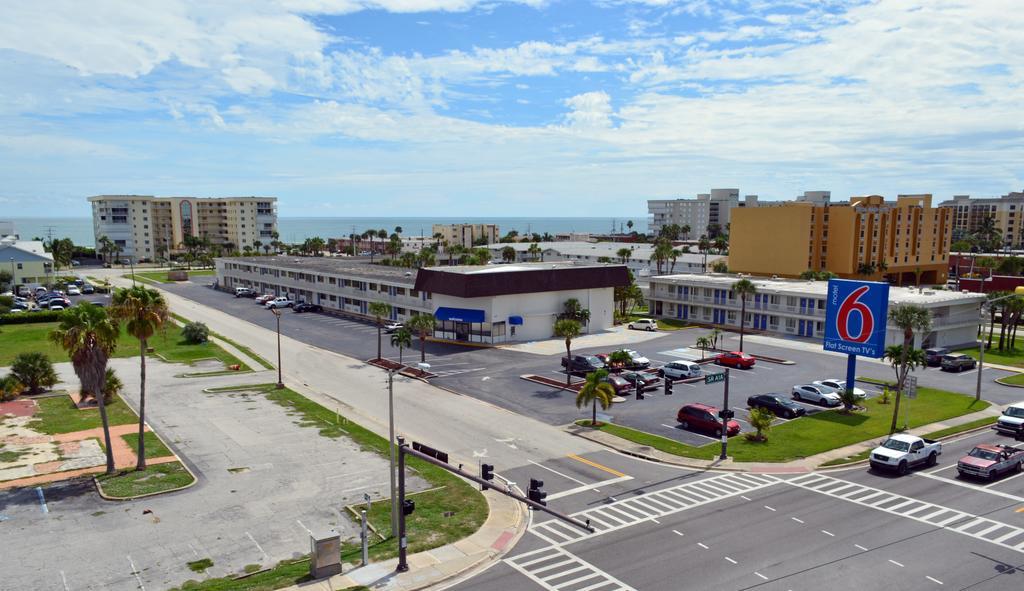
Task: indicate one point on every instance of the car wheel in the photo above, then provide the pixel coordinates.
(630, 327)
(718, 432)
(902, 468)
(796, 396)
(684, 424)
(790, 414)
(991, 475)
(933, 458)
(1020, 466)
(650, 328)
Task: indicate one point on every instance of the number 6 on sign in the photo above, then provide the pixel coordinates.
(855, 318)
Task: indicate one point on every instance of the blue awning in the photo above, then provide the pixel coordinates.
(459, 314)
(515, 320)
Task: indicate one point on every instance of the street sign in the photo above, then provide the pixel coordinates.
(910, 387)
(856, 317)
(713, 378)
(437, 455)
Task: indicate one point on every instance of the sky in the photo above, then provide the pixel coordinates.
(505, 108)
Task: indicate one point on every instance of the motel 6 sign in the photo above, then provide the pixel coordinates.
(856, 317)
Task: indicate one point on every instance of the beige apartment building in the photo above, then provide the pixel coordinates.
(1007, 211)
(467, 235)
(147, 227)
(867, 238)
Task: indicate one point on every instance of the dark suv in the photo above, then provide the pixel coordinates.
(701, 417)
(958, 362)
(933, 357)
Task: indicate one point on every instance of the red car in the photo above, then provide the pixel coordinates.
(701, 417)
(735, 359)
(619, 383)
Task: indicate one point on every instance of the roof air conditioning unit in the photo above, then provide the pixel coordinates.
(775, 276)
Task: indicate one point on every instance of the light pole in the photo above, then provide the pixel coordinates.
(14, 280)
(391, 445)
(277, 316)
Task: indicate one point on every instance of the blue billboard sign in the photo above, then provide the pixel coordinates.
(856, 317)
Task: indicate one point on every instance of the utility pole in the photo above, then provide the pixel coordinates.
(391, 445)
(726, 414)
(277, 315)
(403, 563)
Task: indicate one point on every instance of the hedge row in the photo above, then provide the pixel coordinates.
(30, 317)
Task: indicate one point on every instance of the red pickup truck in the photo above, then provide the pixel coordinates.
(991, 461)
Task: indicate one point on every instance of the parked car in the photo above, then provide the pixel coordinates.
(840, 385)
(991, 461)
(392, 326)
(621, 384)
(901, 452)
(778, 404)
(644, 324)
(680, 370)
(582, 363)
(263, 299)
(933, 357)
(1012, 421)
(87, 288)
(816, 393)
(638, 360)
(647, 381)
(702, 417)
(958, 362)
(736, 359)
(56, 306)
(279, 302)
(73, 290)
(307, 307)
(243, 292)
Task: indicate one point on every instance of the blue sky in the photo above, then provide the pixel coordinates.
(485, 107)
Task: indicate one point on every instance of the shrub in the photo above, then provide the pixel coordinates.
(884, 397)
(10, 388)
(35, 371)
(195, 333)
(31, 317)
(761, 420)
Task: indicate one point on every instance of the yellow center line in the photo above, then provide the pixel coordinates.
(596, 465)
(1019, 510)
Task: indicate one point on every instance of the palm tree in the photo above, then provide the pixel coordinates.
(704, 343)
(423, 325)
(629, 225)
(595, 390)
(568, 329)
(703, 245)
(721, 244)
(685, 231)
(987, 234)
(619, 359)
(426, 257)
(10, 387)
(144, 311)
(89, 336)
(908, 318)
(35, 371)
(672, 256)
(379, 311)
(408, 259)
(401, 338)
(624, 254)
(508, 254)
(743, 288)
(534, 251)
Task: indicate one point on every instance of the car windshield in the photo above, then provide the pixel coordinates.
(593, 360)
(896, 445)
(984, 454)
(1014, 411)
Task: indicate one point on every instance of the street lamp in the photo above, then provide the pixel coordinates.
(277, 315)
(391, 446)
(13, 280)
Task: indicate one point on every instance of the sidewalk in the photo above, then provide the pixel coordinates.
(506, 523)
(807, 464)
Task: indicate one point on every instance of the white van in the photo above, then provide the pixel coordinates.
(644, 324)
(678, 370)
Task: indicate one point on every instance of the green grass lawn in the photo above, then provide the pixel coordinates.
(25, 338)
(246, 350)
(1016, 379)
(819, 432)
(157, 478)
(862, 455)
(161, 276)
(58, 415)
(154, 447)
(982, 422)
(1013, 357)
(663, 323)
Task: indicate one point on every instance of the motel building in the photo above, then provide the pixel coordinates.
(796, 308)
(489, 304)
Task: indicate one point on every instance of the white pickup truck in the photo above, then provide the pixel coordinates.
(901, 452)
(278, 302)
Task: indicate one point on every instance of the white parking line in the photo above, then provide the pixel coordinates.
(828, 533)
(42, 500)
(797, 519)
(701, 544)
(566, 476)
(859, 547)
(896, 563)
(258, 547)
(303, 526)
(691, 432)
(677, 532)
(135, 572)
(760, 575)
(731, 560)
(933, 580)
(64, 580)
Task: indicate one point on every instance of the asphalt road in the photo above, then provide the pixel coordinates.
(493, 375)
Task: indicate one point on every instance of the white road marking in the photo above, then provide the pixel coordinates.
(64, 580)
(303, 526)
(1017, 475)
(769, 508)
(42, 500)
(828, 533)
(566, 476)
(701, 544)
(135, 572)
(976, 487)
(745, 498)
(655, 520)
(760, 575)
(933, 580)
(193, 549)
(859, 547)
(677, 532)
(731, 560)
(797, 520)
(896, 563)
(586, 487)
(258, 547)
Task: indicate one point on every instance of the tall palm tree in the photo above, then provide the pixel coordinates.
(401, 338)
(568, 329)
(144, 311)
(422, 325)
(624, 254)
(908, 318)
(743, 288)
(595, 390)
(89, 336)
(685, 230)
(674, 254)
(703, 245)
(721, 244)
(534, 251)
(380, 310)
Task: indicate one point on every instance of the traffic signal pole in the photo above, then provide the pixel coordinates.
(404, 450)
(725, 418)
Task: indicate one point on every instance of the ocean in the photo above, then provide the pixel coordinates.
(297, 229)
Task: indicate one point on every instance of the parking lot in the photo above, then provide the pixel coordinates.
(494, 375)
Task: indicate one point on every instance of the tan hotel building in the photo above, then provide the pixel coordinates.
(844, 238)
(146, 227)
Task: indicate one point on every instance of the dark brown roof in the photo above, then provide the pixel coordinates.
(477, 285)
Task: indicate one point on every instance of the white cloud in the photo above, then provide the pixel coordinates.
(590, 110)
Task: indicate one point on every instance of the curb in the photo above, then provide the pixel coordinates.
(581, 433)
(195, 479)
(943, 438)
(1002, 383)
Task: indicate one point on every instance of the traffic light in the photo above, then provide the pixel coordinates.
(726, 414)
(668, 386)
(639, 390)
(535, 493)
(408, 507)
(486, 473)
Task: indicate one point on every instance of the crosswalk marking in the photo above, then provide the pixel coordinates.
(555, 569)
(951, 520)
